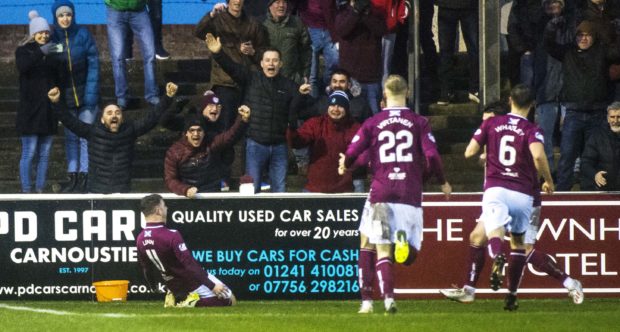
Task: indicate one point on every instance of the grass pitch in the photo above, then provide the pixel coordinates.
(413, 315)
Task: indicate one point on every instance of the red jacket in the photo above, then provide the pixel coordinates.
(395, 12)
(326, 139)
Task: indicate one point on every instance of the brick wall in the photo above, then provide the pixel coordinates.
(179, 41)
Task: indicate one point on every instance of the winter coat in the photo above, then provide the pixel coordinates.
(601, 153)
(291, 38)
(232, 32)
(360, 44)
(394, 12)
(326, 139)
(269, 98)
(79, 73)
(126, 5)
(173, 120)
(187, 166)
(585, 73)
(319, 14)
(37, 75)
(525, 22)
(547, 69)
(110, 155)
(456, 4)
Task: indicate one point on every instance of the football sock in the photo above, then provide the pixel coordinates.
(386, 277)
(475, 264)
(213, 302)
(366, 266)
(495, 247)
(544, 263)
(516, 264)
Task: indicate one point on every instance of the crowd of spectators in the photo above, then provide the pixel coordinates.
(310, 72)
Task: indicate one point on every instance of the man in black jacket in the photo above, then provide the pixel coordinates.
(270, 96)
(584, 92)
(111, 141)
(600, 162)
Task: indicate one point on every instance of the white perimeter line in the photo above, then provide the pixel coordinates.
(503, 290)
(544, 203)
(61, 313)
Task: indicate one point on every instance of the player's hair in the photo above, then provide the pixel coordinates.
(497, 108)
(522, 96)
(395, 85)
(149, 203)
(615, 106)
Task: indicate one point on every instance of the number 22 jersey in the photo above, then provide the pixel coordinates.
(400, 149)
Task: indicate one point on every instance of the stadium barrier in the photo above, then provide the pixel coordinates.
(282, 246)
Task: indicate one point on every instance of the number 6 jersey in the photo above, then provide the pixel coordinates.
(509, 162)
(400, 148)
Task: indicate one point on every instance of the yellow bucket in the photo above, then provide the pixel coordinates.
(111, 290)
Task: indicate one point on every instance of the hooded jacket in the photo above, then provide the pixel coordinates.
(110, 155)
(79, 71)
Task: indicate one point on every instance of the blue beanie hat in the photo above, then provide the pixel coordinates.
(339, 98)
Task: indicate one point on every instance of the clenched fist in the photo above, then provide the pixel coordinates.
(54, 95)
(244, 112)
(171, 89)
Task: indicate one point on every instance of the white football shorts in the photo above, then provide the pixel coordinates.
(532, 230)
(205, 292)
(503, 207)
(399, 217)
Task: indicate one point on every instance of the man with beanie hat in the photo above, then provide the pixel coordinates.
(584, 92)
(189, 166)
(79, 83)
(327, 136)
(122, 16)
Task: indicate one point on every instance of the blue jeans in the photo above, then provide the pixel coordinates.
(526, 69)
(322, 43)
(387, 51)
(76, 148)
(577, 128)
(448, 22)
(372, 93)
(119, 23)
(259, 157)
(546, 116)
(33, 145)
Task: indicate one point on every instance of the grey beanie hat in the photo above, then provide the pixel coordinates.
(62, 10)
(37, 23)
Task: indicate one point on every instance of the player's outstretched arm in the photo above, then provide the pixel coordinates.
(472, 149)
